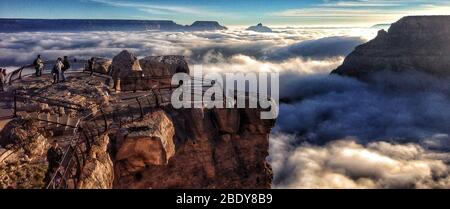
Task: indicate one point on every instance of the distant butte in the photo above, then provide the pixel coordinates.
(260, 28)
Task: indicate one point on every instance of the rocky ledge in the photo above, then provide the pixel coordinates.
(414, 43)
(165, 148)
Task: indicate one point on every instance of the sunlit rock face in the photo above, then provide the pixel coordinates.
(145, 143)
(211, 149)
(98, 171)
(415, 43)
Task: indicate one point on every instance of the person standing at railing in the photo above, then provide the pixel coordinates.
(91, 64)
(65, 68)
(38, 65)
(57, 70)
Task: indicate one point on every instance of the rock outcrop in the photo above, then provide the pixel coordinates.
(22, 158)
(159, 66)
(415, 43)
(98, 172)
(22, 133)
(102, 65)
(260, 28)
(144, 144)
(125, 67)
(154, 72)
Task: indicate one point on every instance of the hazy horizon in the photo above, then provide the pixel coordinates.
(230, 13)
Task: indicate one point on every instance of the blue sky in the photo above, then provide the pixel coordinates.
(230, 12)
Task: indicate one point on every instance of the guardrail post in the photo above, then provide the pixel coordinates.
(88, 144)
(15, 104)
(140, 108)
(104, 119)
(156, 99)
(20, 73)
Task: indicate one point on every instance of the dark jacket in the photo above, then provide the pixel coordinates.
(54, 155)
(66, 65)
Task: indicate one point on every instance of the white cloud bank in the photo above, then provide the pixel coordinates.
(347, 164)
(318, 108)
(21, 48)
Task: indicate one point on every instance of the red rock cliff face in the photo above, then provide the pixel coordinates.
(195, 148)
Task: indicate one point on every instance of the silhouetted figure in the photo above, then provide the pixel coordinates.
(54, 157)
(91, 63)
(57, 70)
(65, 68)
(38, 65)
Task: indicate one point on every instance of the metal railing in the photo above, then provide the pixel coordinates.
(18, 73)
(98, 125)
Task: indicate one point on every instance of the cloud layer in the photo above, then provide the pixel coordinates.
(21, 48)
(347, 164)
(403, 107)
(398, 124)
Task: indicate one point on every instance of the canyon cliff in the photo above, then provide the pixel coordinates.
(60, 25)
(414, 43)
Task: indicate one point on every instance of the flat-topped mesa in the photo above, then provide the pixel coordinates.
(414, 43)
(206, 25)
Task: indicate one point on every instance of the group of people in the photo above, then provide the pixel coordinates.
(60, 67)
(2, 78)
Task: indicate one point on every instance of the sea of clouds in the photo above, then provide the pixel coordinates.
(332, 131)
